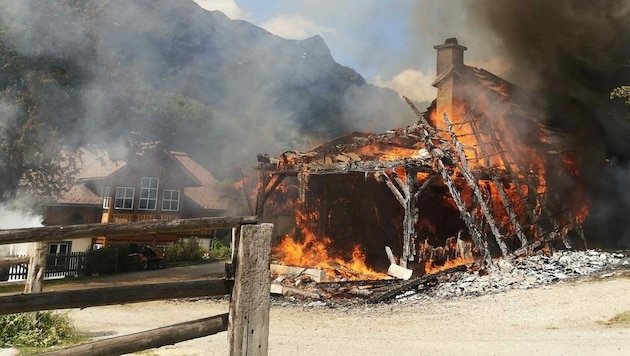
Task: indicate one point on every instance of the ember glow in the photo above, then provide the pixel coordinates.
(430, 267)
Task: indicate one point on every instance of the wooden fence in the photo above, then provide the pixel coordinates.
(59, 265)
(247, 320)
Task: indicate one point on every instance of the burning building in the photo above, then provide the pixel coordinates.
(480, 175)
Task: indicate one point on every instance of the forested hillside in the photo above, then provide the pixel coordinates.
(76, 73)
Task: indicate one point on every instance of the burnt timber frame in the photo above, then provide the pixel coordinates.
(448, 159)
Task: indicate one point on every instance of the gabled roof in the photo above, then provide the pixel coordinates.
(79, 195)
(97, 165)
(204, 195)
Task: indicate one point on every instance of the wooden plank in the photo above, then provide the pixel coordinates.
(12, 261)
(167, 335)
(353, 156)
(248, 330)
(316, 274)
(82, 298)
(399, 272)
(52, 233)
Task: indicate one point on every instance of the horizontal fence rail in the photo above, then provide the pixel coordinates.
(163, 336)
(82, 298)
(53, 233)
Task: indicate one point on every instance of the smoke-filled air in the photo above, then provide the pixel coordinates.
(111, 74)
(574, 53)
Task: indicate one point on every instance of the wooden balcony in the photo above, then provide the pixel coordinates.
(123, 217)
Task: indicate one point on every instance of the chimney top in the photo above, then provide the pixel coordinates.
(451, 43)
(449, 54)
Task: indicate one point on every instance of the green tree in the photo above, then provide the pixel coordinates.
(623, 93)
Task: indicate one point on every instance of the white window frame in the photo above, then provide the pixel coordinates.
(123, 196)
(106, 197)
(170, 199)
(148, 193)
(57, 247)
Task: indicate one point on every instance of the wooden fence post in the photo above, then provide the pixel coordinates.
(36, 271)
(36, 268)
(248, 328)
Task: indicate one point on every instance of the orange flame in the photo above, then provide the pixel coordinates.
(430, 267)
(316, 252)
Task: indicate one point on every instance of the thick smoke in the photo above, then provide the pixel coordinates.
(242, 89)
(574, 52)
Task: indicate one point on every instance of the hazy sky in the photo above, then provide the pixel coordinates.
(390, 43)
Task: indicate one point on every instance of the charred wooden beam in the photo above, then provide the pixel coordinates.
(411, 218)
(364, 282)
(472, 181)
(504, 148)
(266, 186)
(303, 179)
(411, 284)
(495, 178)
(473, 228)
(397, 193)
(403, 192)
(438, 155)
(273, 185)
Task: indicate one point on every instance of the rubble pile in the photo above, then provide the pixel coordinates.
(523, 273)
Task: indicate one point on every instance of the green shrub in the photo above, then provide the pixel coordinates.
(108, 260)
(218, 250)
(18, 330)
(184, 250)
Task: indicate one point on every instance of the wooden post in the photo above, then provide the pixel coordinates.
(36, 268)
(406, 197)
(248, 329)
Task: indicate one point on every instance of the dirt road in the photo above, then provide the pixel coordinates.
(564, 319)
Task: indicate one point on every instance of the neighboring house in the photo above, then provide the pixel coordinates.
(155, 184)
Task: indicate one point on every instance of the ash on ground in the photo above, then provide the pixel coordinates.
(539, 271)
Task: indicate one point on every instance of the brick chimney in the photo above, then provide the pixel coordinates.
(449, 53)
(450, 61)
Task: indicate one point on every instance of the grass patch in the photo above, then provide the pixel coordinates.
(621, 319)
(51, 329)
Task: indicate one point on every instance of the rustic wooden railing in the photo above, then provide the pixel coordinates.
(248, 321)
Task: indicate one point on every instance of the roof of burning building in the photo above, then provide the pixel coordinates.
(363, 152)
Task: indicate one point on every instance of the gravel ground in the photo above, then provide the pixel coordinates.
(566, 317)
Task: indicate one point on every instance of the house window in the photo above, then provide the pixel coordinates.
(56, 248)
(124, 198)
(148, 193)
(106, 198)
(170, 200)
